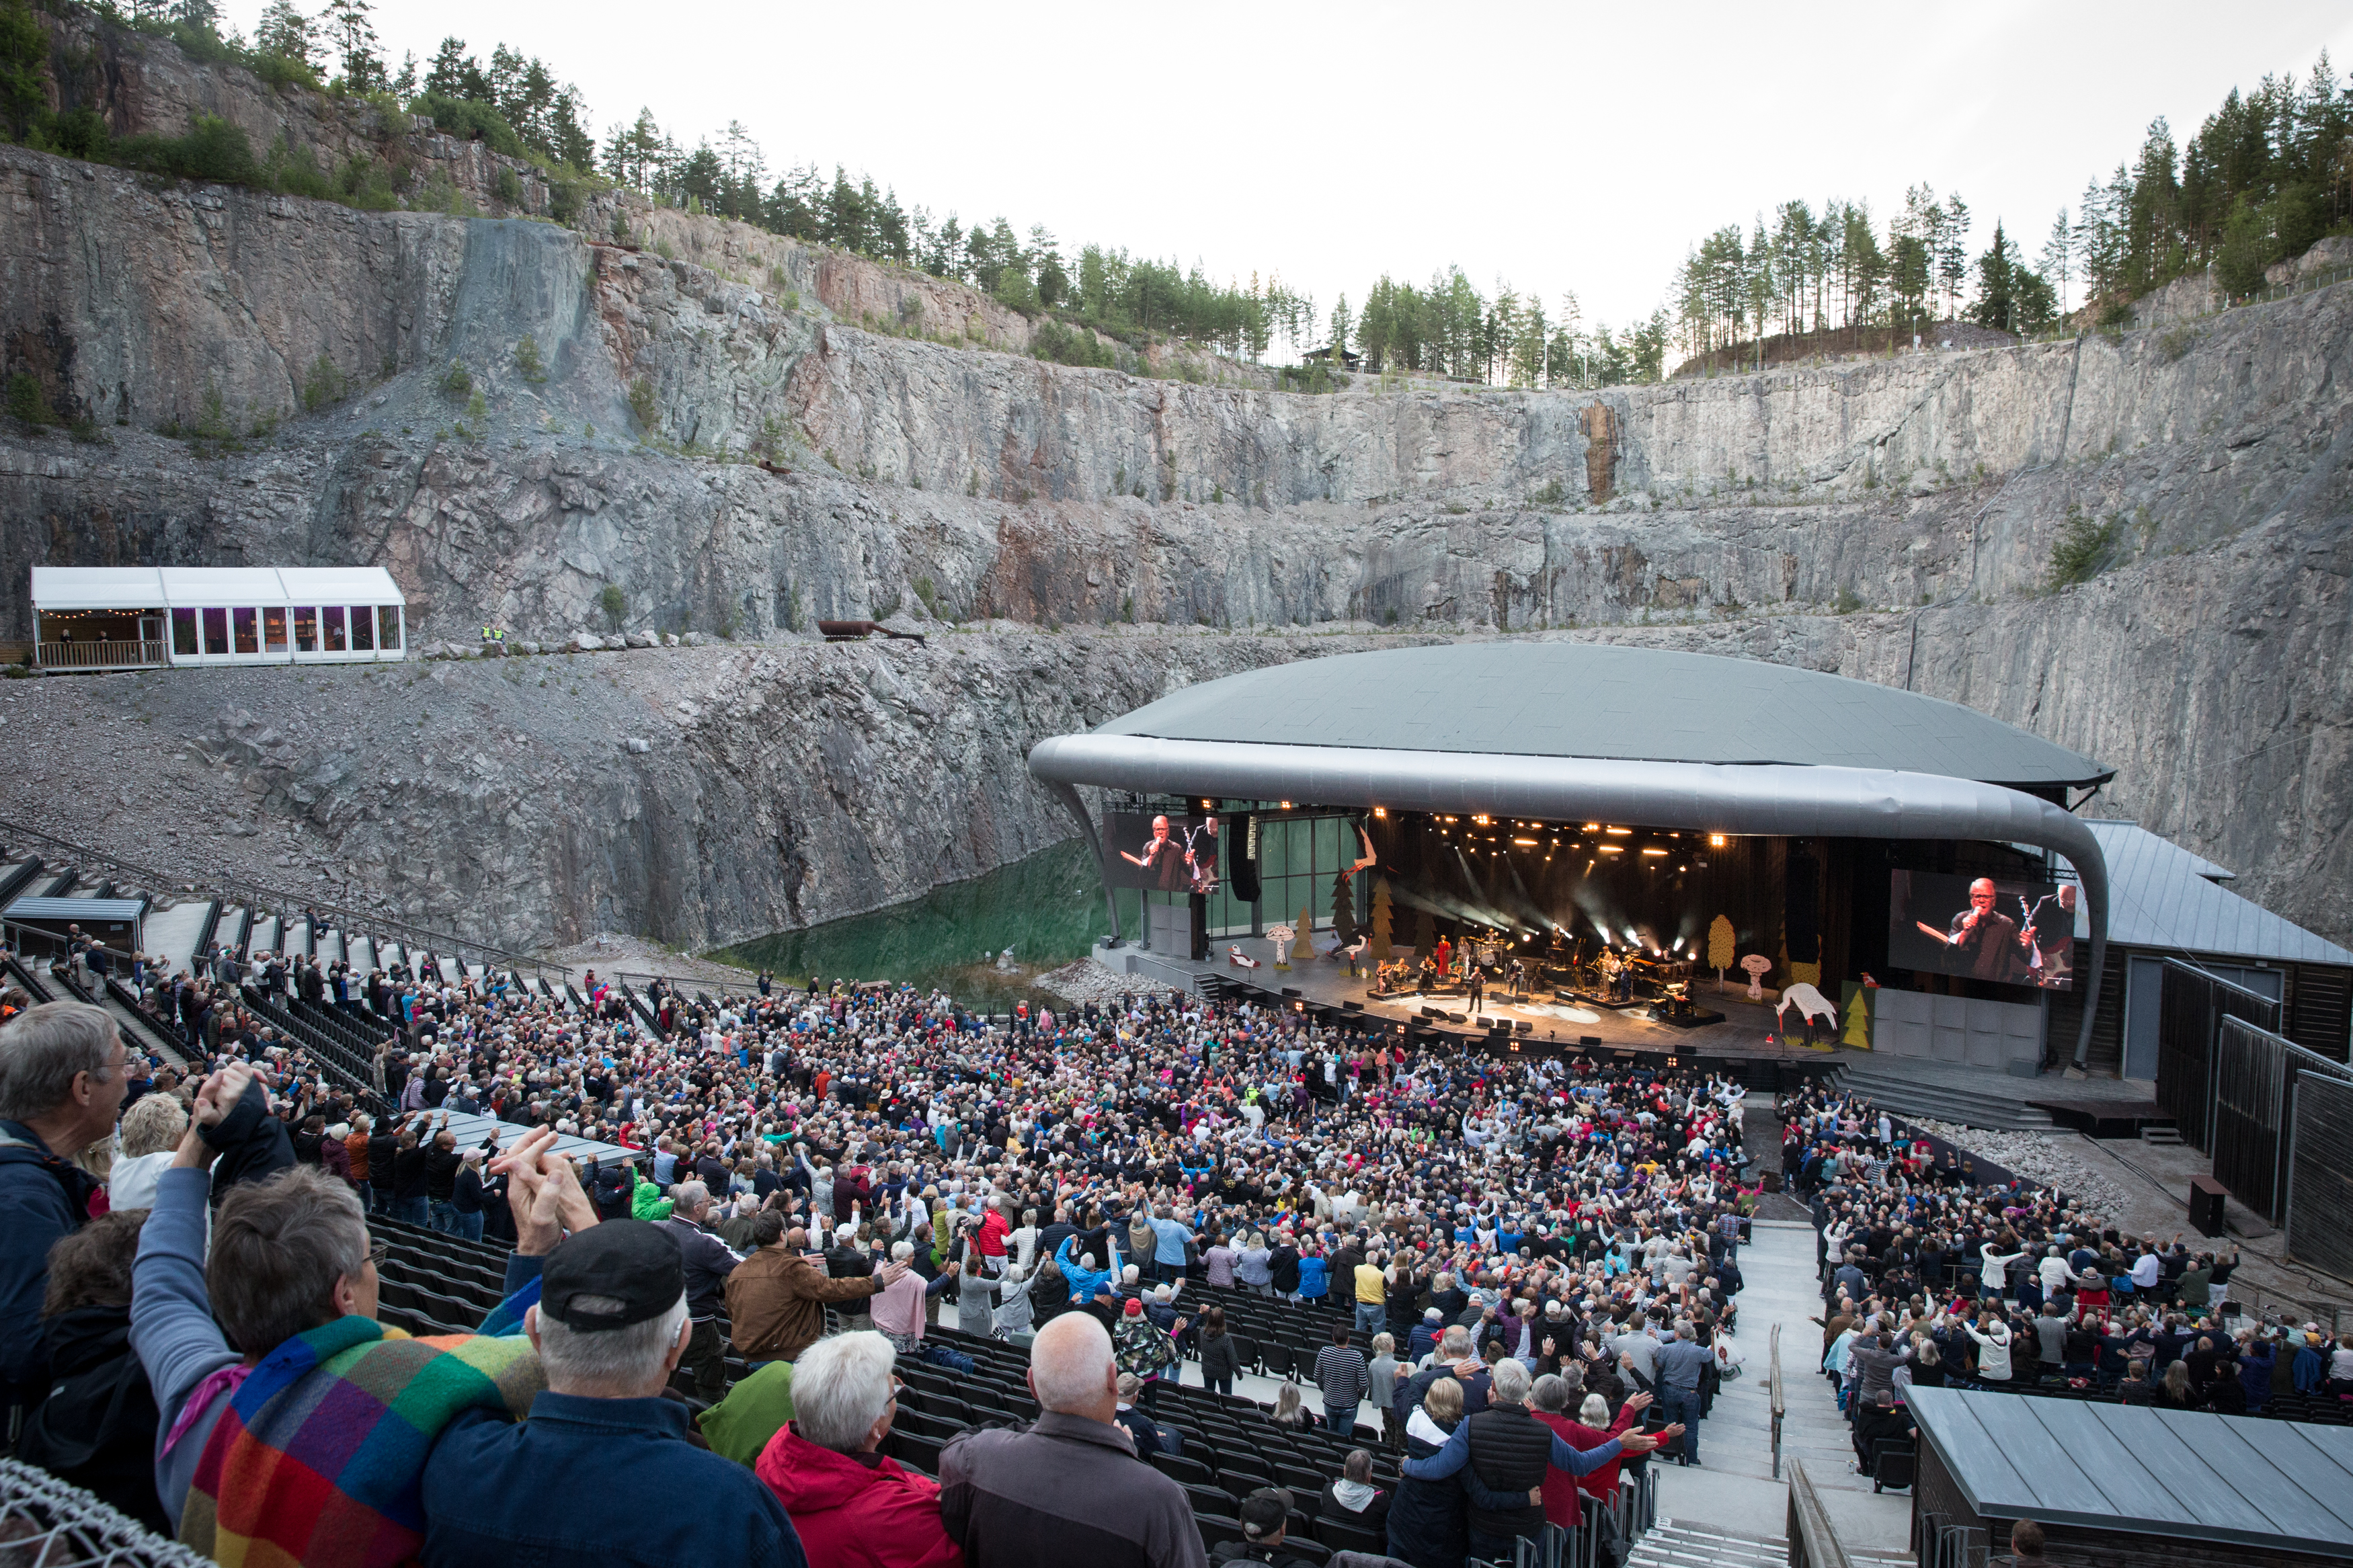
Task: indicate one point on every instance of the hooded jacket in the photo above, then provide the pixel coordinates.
(96, 1428)
(856, 1516)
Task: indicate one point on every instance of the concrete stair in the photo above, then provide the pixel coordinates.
(1972, 1097)
(1668, 1544)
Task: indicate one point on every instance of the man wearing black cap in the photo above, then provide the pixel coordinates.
(1266, 1518)
(602, 1471)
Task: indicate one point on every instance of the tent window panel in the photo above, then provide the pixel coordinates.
(362, 629)
(273, 628)
(248, 630)
(333, 617)
(215, 631)
(387, 628)
(184, 633)
(306, 628)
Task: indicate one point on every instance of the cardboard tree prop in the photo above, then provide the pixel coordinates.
(1306, 933)
(1343, 910)
(1384, 922)
(1721, 948)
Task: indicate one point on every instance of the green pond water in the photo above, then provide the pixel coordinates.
(1047, 908)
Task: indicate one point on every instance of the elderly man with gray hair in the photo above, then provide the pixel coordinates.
(709, 1261)
(63, 1070)
(602, 1472)
(1067, 1493)
(850, 1505)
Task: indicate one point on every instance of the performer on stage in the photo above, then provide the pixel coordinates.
(1445, 957)
(1478, 987)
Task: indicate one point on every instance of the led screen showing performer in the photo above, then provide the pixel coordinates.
(2009, 931)
(1162, 853)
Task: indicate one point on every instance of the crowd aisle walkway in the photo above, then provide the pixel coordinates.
(1733, 1488)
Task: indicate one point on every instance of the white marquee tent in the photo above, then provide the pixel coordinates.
(136, 618)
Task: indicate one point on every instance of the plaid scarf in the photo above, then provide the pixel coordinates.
(320, 1457)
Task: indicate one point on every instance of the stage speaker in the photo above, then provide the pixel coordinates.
(1433, 1012)
(1589, 1039)
(1241, 865)
(1456, 1019)
(1352, 1007)
(1523, 1028)
(1291, 990)
(2206, 1205)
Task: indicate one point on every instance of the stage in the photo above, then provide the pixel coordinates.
(1748, 1031)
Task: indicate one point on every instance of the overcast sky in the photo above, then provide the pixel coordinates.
(1558, 147)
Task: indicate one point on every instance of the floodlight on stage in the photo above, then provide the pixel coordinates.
(1381, 811)
(1715, 841)
(1528, 843)
(1609, 848)
(1593, 827)
(1482, 821)
(1285, 804)
(1620, 832)
(1654, 852)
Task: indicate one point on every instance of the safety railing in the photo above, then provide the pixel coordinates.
(1780, 1399)
(1604, 1533)
(134, 655)
(237, 892)
(1812, 1543)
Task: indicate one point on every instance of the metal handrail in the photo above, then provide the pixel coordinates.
(1780, 1399)
(254, 895)
(1812, 1543)
(139, 654)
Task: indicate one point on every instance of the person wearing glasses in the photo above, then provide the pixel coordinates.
(852, 1505)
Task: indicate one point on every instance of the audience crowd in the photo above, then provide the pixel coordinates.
(1931, 1278)
(1530, 1269)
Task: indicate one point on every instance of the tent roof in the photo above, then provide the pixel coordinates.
(156, 587)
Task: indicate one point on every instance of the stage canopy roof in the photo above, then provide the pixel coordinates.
(1584, 731)
(163, 587)
(2184, 1474)
(1522, 697)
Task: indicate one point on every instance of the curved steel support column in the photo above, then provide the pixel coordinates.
(1734, 797)
(1069, 796)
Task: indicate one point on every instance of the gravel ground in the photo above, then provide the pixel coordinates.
(1087, 981)
(615, 951)
(2056, 1159)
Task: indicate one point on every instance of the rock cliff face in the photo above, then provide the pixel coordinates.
(911, 471)
(694, 795)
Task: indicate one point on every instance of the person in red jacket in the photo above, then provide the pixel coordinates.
(853, 1506)
(1549, 1400)
(993, 1228)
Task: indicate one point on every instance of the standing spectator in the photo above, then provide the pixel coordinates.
(1219, 1361)
(62, 1074)
(849, 1504)
(709, 1261)
(777, 1297)
(1066, 1492)
(467, 1198)
(1342, 1375)
(1681, 1365)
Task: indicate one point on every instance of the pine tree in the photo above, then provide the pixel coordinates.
(1425, 934)
(284, 33)
(1306, 931)
(352, 35)
(1384, 923)
(2057, 253)
(454, 73)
